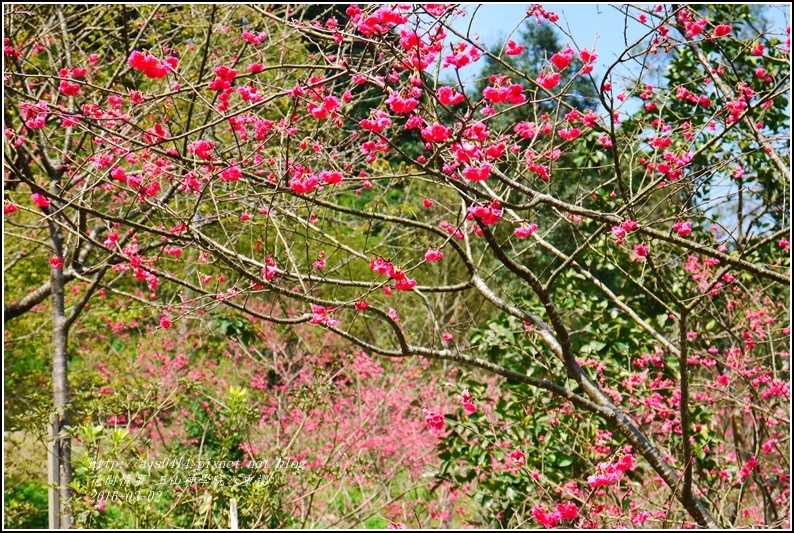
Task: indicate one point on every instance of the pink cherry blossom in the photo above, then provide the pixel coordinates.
(381, 266)
(722, 30)
(449, 96)
(525, 230)
(568, 511)
(434, 420)
(331, 177)
(549, 80)
(488, 215)
(405, 285)
(436, 133)
(513, 49)
(401, 105)
(587, 56)
(69, 88)
(323, 316)
(480, 173)
(562, 59)
(545, 519)
(433, 255)
(150, 65)
(40, 200)
(303, 184)
(570, 133)
(232, 173)
(683, 228)
(518, 458)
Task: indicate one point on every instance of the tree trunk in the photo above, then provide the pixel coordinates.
(61, 445)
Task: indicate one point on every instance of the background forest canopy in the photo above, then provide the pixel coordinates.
(352, 266)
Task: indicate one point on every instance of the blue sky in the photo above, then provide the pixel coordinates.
(590, 24)
(599, 26)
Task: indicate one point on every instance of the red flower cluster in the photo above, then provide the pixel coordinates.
(402, 105)
(561, 60)
(232, 173)
(695, 28)
(382, 266)
(224, 76)
(378, 123)
(433, 255)
(434, 420)
(565, 511)
(683, 228)
(525, 230)
(488, 215)
(461, 58)
(323, 315)
(722, 30)
(513, 94)
(329, 105)
(40, 200)
(513, 49)
(379, 22)
(202, 149)
(254, 39)
(449, 96)
(549, 80)
(150, 65)
(437, 133)
(481, 173)
(518, 458)
(68, 88)
(468, 406)
(331, 177)
(269, 269)
(608, 473)
(303, 183)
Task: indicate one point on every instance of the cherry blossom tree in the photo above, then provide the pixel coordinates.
(332, 168)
